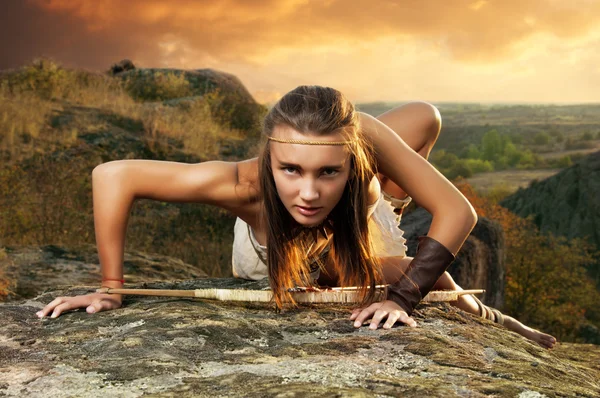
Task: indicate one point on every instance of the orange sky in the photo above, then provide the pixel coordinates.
(446, 50)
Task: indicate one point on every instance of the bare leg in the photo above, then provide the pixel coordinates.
(468, 304)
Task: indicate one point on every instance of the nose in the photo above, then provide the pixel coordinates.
(309, 191)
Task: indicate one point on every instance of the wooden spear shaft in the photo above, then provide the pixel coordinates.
(333, 295)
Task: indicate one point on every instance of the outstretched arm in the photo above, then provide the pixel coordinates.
(453, 220)
(116, 185)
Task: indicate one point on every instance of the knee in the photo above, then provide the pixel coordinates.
(430, 122)
(433, 120)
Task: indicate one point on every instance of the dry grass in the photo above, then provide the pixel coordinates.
(507, 180)
(46, 199)
(30, 96)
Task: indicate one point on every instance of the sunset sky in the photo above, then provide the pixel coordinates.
(396, 50)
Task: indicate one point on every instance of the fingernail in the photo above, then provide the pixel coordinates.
(91, 310)
(39, 314)
(53, 316)
(356, 324)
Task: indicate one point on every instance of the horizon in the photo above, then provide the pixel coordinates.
(386, 103)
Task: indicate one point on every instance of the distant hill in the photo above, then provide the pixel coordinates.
(566, 204)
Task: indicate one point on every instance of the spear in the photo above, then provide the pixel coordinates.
(301, 294)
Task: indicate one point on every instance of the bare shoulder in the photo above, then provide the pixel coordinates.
(247, 172)
(248, 189)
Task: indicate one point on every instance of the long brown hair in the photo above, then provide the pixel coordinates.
(321, 111)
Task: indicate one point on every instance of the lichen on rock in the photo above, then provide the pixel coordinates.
(171, 346)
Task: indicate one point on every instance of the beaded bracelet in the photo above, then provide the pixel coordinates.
(116, 280)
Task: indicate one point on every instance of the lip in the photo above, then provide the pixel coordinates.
(308, 211)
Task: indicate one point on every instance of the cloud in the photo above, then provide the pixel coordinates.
(244, 31)
(301, 39)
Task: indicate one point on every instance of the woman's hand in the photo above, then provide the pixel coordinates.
(94, 302)
(378, 311)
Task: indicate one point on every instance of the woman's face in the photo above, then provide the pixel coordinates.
(310, 179)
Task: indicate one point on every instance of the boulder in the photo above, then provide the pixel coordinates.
(35, 269)
(207, 348)
(122, 66)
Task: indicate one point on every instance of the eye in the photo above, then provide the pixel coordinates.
(330, 172)
(289, 170)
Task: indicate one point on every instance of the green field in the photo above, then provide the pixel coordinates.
(509, 144)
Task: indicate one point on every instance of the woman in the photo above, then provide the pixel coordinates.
(313, 208)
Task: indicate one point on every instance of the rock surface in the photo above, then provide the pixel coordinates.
(35, 269)
(173, 347)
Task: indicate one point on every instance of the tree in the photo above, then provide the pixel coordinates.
(471, 152)
(564, 161)
(512, 154)
(443, 159)
(460, 169)
(491, 145)
(547, 285)
(541, 139)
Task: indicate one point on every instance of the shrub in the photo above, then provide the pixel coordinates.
(443, 159)
(541, 139)
(460, 169)
(564, 161)
(470, 152)
(157, 86)
(547, 286)
(478, 166)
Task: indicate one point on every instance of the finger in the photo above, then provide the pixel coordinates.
(379, 315)
(100, 305)
(355, 313)
(50, 306)
(61, 308)
(408, 320)
(363, 316)
(391, 320)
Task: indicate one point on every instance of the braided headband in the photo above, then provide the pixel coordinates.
(302, 142)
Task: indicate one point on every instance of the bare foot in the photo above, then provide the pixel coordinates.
(543, 339)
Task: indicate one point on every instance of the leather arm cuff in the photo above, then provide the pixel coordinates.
(430, 262)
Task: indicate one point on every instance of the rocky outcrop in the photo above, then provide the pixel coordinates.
(565, 204)
(34, 269)
(480, 263)
(205, 348)
(121, 66)
(237, 106)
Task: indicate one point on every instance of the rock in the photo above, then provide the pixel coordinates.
(122, 66)
(480, 263)
(173, 347)
(236, 106)
(34, 269)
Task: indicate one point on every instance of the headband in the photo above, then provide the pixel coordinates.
(302, 142)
